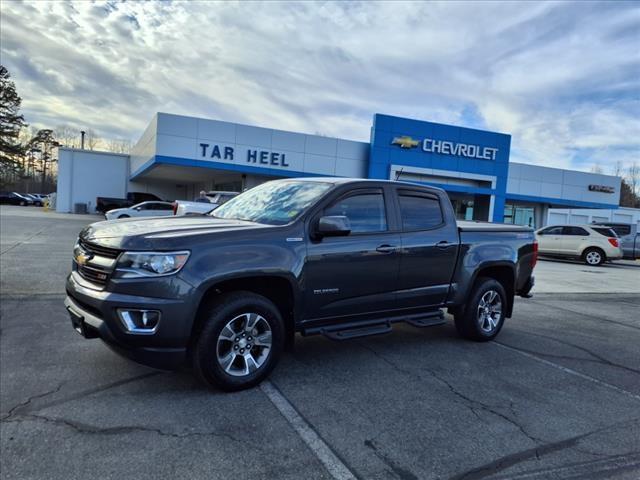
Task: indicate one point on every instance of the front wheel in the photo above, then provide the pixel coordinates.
(123, 216)
(240, 343)
(483, 315)
(594, 257)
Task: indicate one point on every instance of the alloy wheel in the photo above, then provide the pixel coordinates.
(244, 344)
(489, 311)
(593, 258)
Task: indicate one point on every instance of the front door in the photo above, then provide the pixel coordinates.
(550, 240)
(354, 274)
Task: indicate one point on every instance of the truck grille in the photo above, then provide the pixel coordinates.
(99, 250)
(96, 271)
(93, 274)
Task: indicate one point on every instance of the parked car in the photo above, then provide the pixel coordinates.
(629, 238)
(594, 245)
(215, 199)
(13, 198)
(37, 201)
(104, 204)
(340, 257)
(144, 209)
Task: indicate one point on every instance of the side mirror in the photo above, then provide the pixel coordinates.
(138, 208)
(333, 226)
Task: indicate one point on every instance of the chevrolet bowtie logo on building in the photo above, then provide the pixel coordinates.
(405, 142)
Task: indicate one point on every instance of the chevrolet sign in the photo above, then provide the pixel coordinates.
(444, 147)
(601, 188)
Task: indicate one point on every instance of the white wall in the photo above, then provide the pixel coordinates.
(576, 216)
(536, 181)
(84, 175)
(180, 136)
(145, 148)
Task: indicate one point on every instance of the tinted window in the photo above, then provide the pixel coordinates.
(419, 212)
(365, 212)
(621, 230)
(574, 231)
(607, 232)
(552, 231)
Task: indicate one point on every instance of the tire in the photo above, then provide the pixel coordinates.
(124, 216)
(22, 204)
(217, 357)
(483, 315)
(594, 257)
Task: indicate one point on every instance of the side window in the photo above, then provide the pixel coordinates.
(162, 206)
(622, 230)
(419, 212)
(575, 231)
(366, 212)
(552, 231)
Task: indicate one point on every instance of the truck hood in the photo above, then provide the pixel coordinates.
(160, 232)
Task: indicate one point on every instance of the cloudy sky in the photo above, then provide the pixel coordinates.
(562, 78)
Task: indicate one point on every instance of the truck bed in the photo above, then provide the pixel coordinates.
(466, 226)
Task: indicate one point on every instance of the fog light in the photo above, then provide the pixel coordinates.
(140, 322)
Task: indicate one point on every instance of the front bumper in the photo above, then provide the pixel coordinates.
(94, 315)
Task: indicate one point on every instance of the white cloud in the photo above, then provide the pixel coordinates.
(562, 78)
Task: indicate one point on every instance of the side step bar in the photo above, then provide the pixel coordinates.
(357, 332)
(379, 326)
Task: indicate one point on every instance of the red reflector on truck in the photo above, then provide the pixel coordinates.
(614, 242)
(534, 257)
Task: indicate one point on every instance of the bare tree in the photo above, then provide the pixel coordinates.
(119, 145)
(67, 136)
(596, 168)
(633, 177)
(91, 140)
(618, 169)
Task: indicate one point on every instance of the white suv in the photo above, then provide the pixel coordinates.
(593, 244)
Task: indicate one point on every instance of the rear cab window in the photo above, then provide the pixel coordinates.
(419, 211)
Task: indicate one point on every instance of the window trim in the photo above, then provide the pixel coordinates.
(354, 193)
(585, 234)
(543, 232)
(418, 193)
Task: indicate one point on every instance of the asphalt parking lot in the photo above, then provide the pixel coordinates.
(557, 396)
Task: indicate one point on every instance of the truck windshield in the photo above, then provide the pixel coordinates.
(273, 203)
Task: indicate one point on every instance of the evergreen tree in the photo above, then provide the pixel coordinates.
(11, 121)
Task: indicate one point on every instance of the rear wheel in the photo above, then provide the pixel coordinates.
(483, 315)
(594, 257)
(240, 343)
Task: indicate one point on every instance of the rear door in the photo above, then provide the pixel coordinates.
(429, 249)
(550, 239)
(357, 273)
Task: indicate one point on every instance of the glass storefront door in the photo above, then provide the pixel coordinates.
(520, 215)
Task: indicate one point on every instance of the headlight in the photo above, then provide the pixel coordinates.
(150, 264)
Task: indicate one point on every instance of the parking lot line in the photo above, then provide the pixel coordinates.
(569, 370)
(317, 445)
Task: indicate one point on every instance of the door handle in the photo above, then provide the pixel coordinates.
(444, 244)
(386, 248)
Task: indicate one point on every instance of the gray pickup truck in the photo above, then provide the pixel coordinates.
(227, 292)
(629, 238)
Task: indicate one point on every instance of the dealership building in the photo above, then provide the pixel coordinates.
(177, 156)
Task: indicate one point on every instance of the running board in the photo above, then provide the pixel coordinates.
(347, 331)
(429, 320)
(357, 332)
